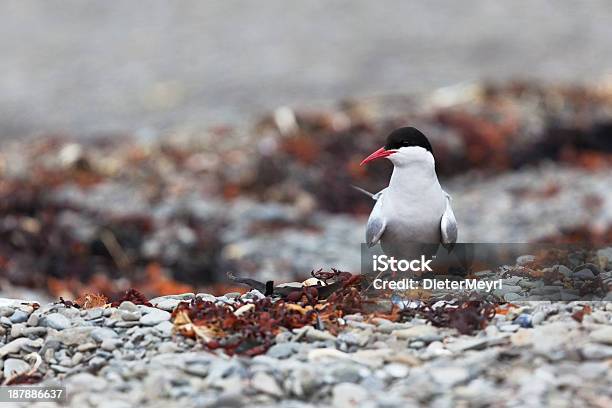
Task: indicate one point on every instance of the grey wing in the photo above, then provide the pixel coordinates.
(376, 223)
(448, 225)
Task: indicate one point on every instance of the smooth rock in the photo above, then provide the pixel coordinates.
(86, 381)
(348, 395)
(397, 370)
(450, 376)
(130, 316)
(57, 321)
(6, 311)
(167, 304)
(13, 347)
(283, 350)
(584, 274)
(154, 317)
(603, 335)
(592, 351)
(100, 334)
(13, 366)
(264, 382)
(164, 329)
(19, 316)
(110, 344)
(33, 320)
(128, 306)
(421, 332)
(71, 336)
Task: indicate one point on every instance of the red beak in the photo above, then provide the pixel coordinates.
(377, 155)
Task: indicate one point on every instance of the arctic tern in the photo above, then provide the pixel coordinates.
(413, 209)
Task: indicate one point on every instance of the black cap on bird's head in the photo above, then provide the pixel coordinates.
(401, 137)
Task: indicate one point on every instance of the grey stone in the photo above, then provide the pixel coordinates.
(421, 332)
(110, 344)
(450, 376)
(33, 320)
(198, 369)
(592, 351)
(602, 335)
(350, 373)
(584, 274)
(348, 395)
(155, 316)
(264, 382)
(130, 316)
(86, 381)
(19, 316)
(71, 336)
(17, 330)
(34, 331)
(128, 306)
(397, 370)
(57, 321)
(167, 304)
(14, 366)
(206, 297)
(164, 329)
(100, 334)
(282, 350)
(14, 346)
(563, 270)
(6, 311)
(97, 362)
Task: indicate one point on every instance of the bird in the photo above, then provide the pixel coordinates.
(413, 208)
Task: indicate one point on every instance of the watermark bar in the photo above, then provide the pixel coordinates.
(506, 272)
(31, 393)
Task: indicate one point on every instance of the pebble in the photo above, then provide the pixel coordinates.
(155, 316)
(283, 350)
(19, 316)
(110, 344)
(167, 304)
(57, 321)
(421, 332)
(13, 347)
(348, 395)
(584, 274)
(129, 315)
(128, 306)
(33, 320)
(13, 366)
(397, 370)
(524, 320)
(449, 376)
(6, 311)
(344, 373)
(264, 382)
(164, 329)
(602, 335)
(100, 334)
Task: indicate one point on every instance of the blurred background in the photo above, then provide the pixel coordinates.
(161, 147)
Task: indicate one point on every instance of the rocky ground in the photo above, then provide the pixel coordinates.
(531, 354)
